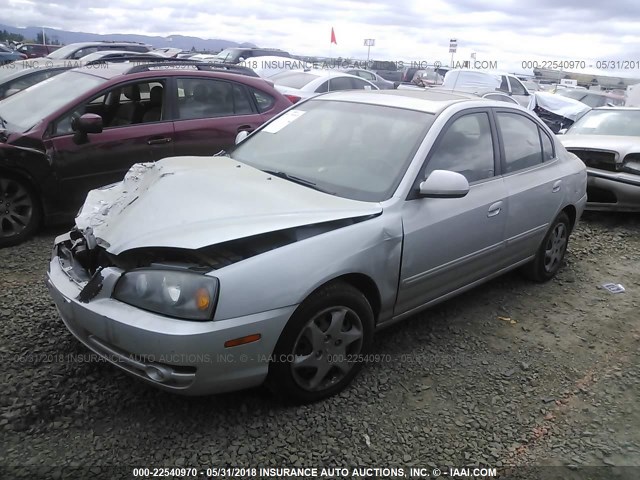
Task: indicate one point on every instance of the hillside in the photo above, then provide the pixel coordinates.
(176, 41)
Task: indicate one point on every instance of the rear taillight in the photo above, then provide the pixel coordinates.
(292, 98)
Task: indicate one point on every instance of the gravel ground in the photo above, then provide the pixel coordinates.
(511, 373)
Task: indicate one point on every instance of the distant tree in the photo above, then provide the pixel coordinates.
(11, 37)
(193, 49)
(39, 38)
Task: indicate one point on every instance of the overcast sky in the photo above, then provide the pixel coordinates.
(506, 31)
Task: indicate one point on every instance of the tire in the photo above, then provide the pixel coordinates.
(20, 210)
(550, 254)
(320, 350)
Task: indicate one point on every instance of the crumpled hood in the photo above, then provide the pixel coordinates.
(193, 202)
(615, 143)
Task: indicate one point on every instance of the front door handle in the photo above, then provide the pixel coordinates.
(158, 141)
(494, 209)
(245, 128)
(556, 186)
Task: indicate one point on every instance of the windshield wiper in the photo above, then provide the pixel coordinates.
(221, 153)
(298, 180)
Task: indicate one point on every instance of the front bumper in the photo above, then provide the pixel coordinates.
(613, 191)
(181, 356)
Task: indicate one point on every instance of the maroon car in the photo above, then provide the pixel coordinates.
(36, 50)
(85, 127)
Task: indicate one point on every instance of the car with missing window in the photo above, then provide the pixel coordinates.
(300, 84)
(346, 213)
(607, 140)
(85, 127)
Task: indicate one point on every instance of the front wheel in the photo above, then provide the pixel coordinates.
(551, 253)
(19, 210)
(322, 347)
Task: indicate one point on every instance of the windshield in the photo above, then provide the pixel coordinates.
(63, 52)
(293, 79)
(26, 108)
(10, 69)
(608, 122)
(226, 54)
(352, 150)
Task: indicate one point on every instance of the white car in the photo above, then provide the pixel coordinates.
(269, 66)
(300, 84)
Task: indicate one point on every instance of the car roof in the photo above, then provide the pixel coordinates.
(110, 71)
(423, 100)
(105, 42)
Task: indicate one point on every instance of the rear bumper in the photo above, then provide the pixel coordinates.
(180, 356)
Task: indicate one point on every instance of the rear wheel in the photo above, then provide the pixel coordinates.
(321, 349)
(20, 211)
(551, 253)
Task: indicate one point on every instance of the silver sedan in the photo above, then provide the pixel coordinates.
(298, 85)
(277, 261)
(608, 142)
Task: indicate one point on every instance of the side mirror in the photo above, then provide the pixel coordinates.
(395, 84)
(241, 59)
(444, 184)
(241, 136)
(87, 123)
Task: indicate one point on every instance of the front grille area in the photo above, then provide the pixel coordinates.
(602, 160)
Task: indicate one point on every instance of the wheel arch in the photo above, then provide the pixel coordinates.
(363, 283)
(572, 213)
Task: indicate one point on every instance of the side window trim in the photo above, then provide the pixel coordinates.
(54, 123)
(210, 79)
(497, 165)
(553, 147)
(514, 80)
(247, 96)
(503, 161)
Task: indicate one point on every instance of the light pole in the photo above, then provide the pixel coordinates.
(369, 42)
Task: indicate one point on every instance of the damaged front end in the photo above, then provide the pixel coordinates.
(82, 256)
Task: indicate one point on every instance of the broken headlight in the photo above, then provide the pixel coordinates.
(175, 293)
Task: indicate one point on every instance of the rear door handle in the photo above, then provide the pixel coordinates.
(494, 209)
(158, 141)
(245, 128)
(557, 186)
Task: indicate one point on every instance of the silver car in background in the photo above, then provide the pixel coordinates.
(298, 85)
(607, 140)
(277, 261)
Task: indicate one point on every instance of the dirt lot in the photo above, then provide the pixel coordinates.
(511, 373)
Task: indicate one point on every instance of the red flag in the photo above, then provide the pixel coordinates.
(333, 36)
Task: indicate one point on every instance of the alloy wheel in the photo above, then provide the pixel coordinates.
(16, 207)
(555, 248)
